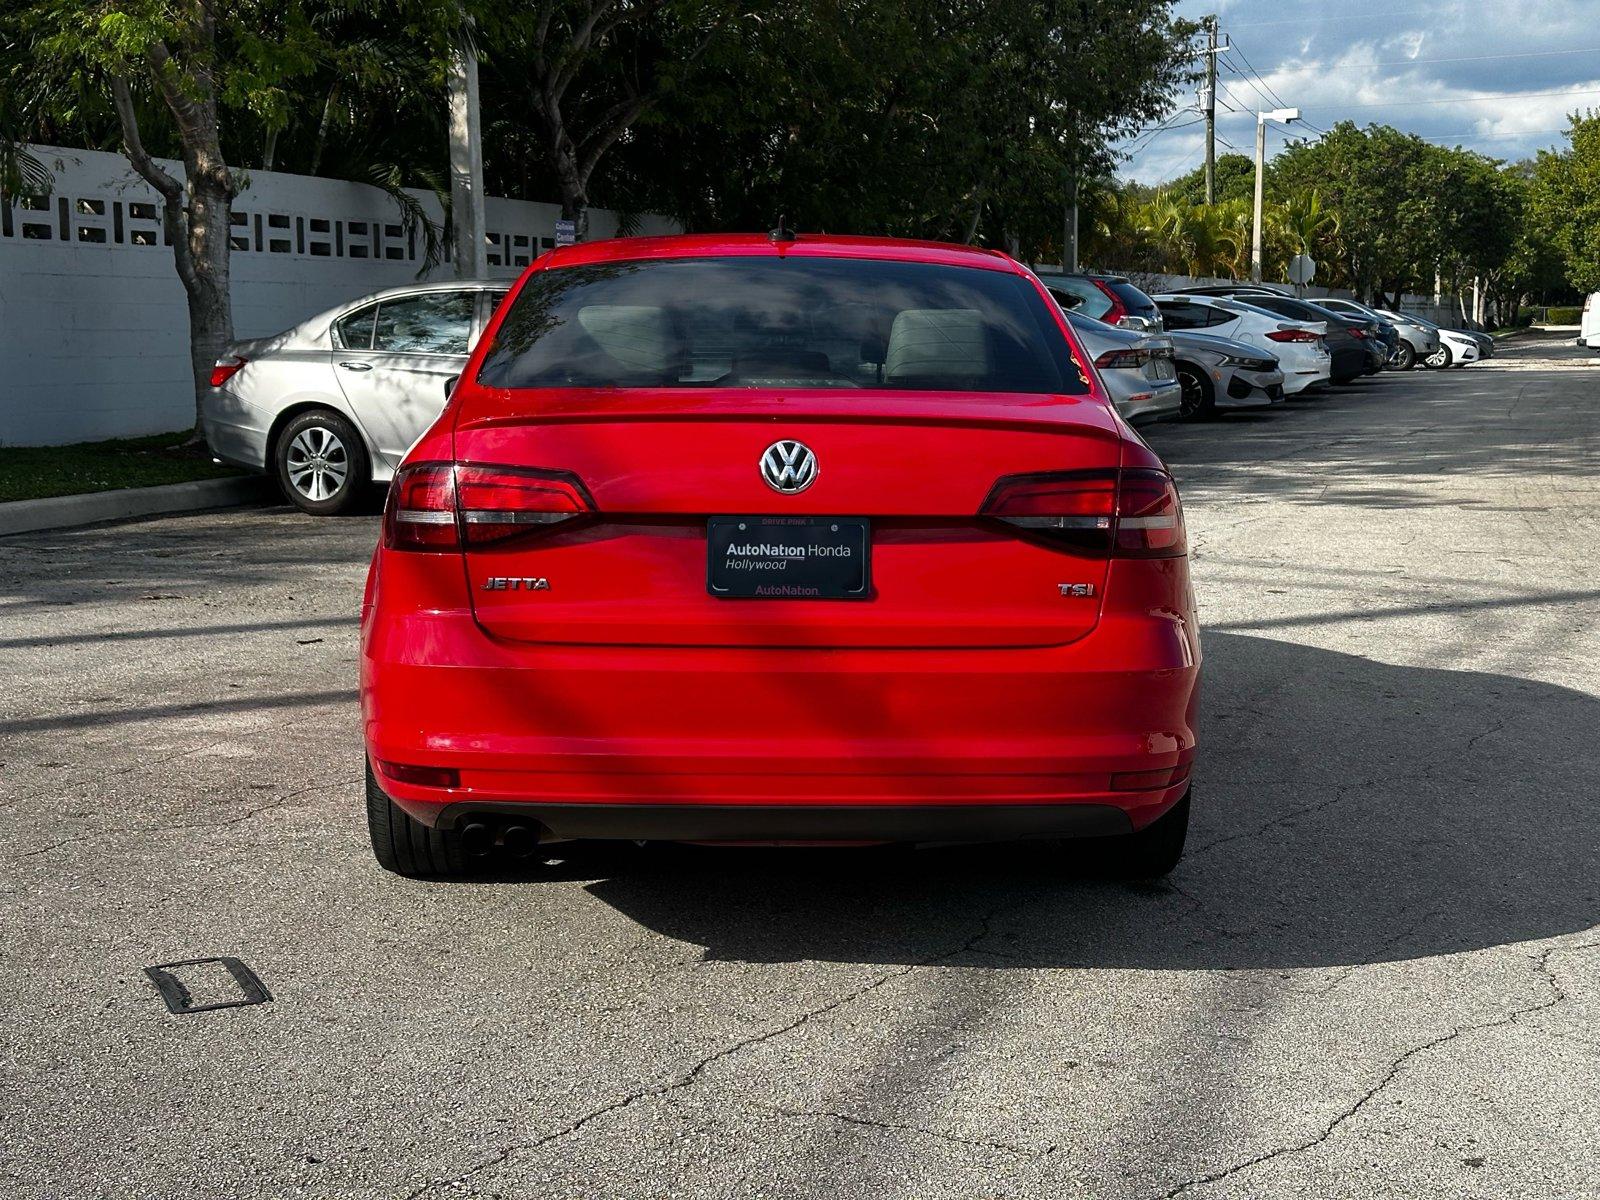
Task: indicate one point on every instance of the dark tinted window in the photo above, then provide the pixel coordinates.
(792, 322)
(1132, 298)
(1178, 314)
(355, 330)
(431, 323)
(1091, 301)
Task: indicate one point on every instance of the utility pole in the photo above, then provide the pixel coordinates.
(1208, 102)
(1277, 114)
(1069, 229)
(466, 158)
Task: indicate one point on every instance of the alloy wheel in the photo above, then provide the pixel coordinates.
(1192, 395)
(318, 463)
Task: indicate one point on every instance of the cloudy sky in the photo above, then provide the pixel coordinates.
(1475, 73)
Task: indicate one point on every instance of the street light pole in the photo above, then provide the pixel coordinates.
(466, 158)
(1278, 114)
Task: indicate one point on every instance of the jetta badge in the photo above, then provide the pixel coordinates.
(788, 467)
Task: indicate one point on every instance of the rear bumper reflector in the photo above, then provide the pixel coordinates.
(1149, 781)
(439, 777)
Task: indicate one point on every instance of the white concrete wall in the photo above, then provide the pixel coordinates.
(93, 323)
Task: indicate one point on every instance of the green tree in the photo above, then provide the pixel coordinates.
(1235, 179)
(186, 61)
(1564, 200)
(1378, 181)
(962, 119)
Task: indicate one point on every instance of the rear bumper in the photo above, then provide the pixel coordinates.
(235, 430)
(797, 823)
(1154, 400)
(745, 743)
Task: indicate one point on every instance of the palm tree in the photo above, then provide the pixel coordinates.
(1304, 226)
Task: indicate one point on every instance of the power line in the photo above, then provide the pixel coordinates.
(1413, 62)
(1146, 139)
(1277, 98)
(1340, 16)
(1460, 99)
(1256, 87)
(1480, 137)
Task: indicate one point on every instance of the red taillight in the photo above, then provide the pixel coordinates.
(1129, 359)
(1149, 516)
(1293, 335)
(1358, 334)
(225, 369)
(421, 510)
(502, 502)
(1118, 309)
(436, 506)
(1133, 513)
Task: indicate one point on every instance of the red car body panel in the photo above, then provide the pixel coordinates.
(972, 677)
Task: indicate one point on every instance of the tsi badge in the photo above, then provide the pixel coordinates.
(1076, 589)
(515, 583)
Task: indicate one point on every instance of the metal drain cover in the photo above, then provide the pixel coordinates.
(238, 988)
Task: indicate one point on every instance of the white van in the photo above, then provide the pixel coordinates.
(1589, 324)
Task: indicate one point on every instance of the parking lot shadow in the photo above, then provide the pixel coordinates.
(1347, 812)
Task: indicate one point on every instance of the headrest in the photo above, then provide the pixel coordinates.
(936, 343)
(638, 336)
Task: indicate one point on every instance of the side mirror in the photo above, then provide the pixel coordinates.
(450, 385)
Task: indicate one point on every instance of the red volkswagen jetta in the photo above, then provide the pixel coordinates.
(776, 539)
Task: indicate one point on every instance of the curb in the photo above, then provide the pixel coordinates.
(61, 512)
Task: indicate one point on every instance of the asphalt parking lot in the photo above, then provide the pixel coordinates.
(1377, 972)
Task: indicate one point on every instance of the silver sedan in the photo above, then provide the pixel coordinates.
(1136, 368)
(1218, 372)
(333, 404)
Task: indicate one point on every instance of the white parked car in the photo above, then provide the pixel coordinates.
(333, 404)
(1457, 348)
(1297, 345)
(1589, 324)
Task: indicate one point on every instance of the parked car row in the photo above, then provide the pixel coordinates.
(1241, 345)
(335, 402)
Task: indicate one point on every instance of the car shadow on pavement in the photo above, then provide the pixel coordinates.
(1346, 812)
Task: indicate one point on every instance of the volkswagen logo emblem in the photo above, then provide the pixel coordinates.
(788, 467)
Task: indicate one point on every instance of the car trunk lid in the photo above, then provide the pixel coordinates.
(660, 465)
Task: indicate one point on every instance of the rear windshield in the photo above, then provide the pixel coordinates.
(1132, 298)
(781, 323)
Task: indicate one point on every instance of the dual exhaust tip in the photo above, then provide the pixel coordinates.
(479, 840)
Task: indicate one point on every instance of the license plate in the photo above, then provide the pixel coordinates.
(1161, 368)
(789, 558)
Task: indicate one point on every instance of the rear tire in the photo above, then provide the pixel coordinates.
(1156, 849)
(405, 845)
(322, 464)
(1197, 400)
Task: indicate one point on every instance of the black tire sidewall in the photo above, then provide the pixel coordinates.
(1208, 401)
(356, 481)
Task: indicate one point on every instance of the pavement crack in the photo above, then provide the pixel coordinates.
(240, 819)
(1557, 994)
(1340, 793)
(690, 1077)
(901, 1127)
(1483, 733)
